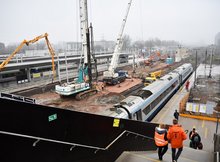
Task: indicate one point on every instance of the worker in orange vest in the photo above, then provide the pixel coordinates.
(160, 138)
(187, 85)
(176, 136)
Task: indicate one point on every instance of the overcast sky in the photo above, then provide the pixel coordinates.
(186, 21)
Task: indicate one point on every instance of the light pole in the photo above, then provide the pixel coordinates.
(211, 57)
(195, 70)
(205, 61)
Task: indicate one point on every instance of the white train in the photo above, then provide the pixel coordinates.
(147, 102)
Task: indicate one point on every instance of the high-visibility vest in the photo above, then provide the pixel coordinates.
(159, 139)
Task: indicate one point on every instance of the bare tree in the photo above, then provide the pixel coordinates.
(126, 42)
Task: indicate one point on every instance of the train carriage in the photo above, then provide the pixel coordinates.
(147, 102)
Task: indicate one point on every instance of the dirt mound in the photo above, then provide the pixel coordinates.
(111, 98)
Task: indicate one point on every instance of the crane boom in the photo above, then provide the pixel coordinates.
(118, 46)
(84, 27)
(25, 42)
(110, 76)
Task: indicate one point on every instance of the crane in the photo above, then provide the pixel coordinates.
(110, 76)
(27, 42)
(81, 88)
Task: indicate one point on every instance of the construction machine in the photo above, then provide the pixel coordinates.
(82, 87)
(152, 77)
(153, 58)
(27, 42)
(112, 76)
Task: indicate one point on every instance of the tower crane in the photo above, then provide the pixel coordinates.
(27, 42)
(83, 86)
(111, 76)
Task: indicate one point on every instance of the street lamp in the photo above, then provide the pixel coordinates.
(195, 70)
(211, 57)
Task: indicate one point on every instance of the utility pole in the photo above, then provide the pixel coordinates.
(210, 70)
(58, 67)
(195, 71)
(205, 61)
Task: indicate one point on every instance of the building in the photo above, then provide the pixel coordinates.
(217, 39)
(181, 54)
(2, 48)
(73, 46)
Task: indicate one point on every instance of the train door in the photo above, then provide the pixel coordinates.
(137, 115)
(180, 79)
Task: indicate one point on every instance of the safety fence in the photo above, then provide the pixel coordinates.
(31, 132)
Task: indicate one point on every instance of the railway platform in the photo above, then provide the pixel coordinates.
(188, 155)
(206, 129)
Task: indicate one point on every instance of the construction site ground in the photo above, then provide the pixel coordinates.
(205, 90)
(106, 97)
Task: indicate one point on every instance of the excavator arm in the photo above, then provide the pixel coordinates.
(5, 62)
(25, 42)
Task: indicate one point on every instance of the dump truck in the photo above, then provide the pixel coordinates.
(152, 77)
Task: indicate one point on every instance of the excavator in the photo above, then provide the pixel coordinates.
(82, 87)
(152, 77)
(153, 58)
(27, 42)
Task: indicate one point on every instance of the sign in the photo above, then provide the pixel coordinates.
(116, 122)
(195, 107)
(189, 106)
(52, 117)
(36, 75)
(202, 108)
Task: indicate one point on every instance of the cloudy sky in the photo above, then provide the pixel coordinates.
(186, 21)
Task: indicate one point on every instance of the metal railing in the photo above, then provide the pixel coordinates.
(216, 157)
(73, 145)
(17, 98)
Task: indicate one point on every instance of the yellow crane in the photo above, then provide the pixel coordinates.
(25, 42)
(152, 77)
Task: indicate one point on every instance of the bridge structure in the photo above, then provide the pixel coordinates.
(29, 70)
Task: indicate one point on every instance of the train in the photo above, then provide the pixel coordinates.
(148, 101)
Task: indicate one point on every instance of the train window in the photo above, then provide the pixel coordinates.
(118, 111)
(125, 103)
(130, 104)
(147, 110)
(144, 94)
(156, 101)
(170, 78)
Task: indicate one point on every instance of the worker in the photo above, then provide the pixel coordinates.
(161, 141)
(187, 86)
(176, 135)
(195, 139)
(191, 133)
(103, 86)
(176, 115)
